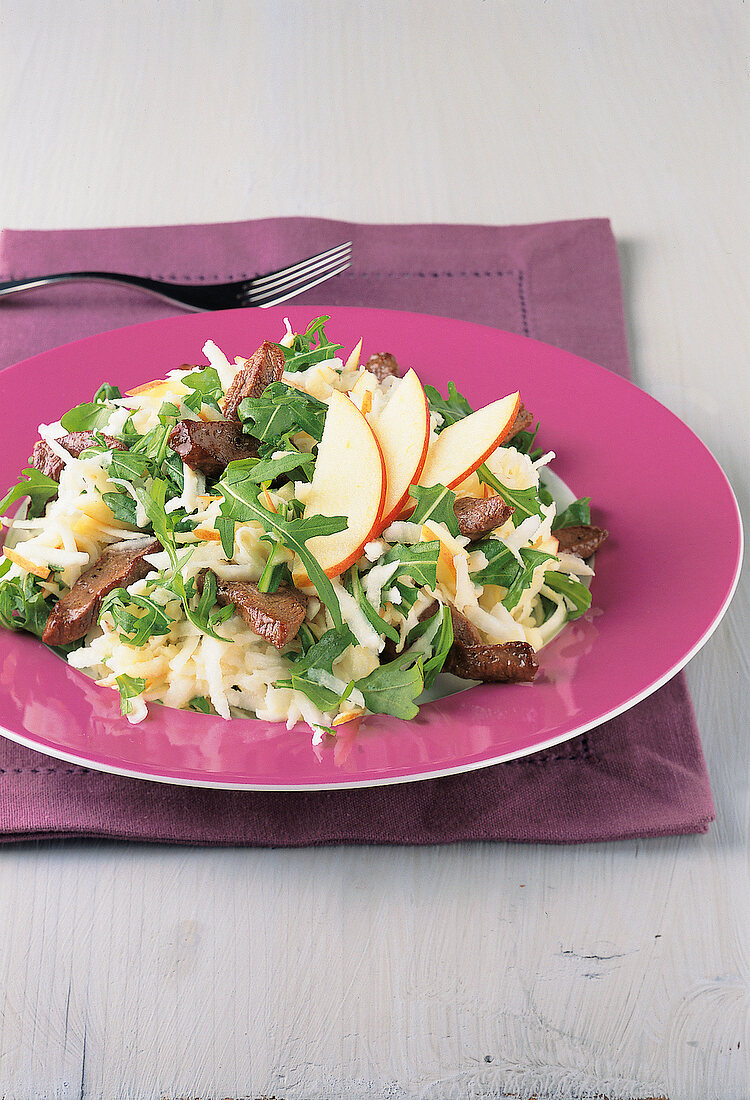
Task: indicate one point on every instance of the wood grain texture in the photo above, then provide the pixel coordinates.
(477, 971)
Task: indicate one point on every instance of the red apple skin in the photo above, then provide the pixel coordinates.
(456, 480)
(399, 507)
(337, 570)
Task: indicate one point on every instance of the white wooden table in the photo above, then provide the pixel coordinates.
(477, 971)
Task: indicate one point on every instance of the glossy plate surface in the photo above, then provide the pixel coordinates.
(653, 605)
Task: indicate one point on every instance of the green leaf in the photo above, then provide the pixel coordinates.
(409, 596)
(312, 346)
(273, 571)
(107, 393)
(577, 593)
(502, 564)
(225, 526)
(523, 578)
(392, 688)
(326, 650)
(202, 616)
(153, 500)
(122, 506)
(86, 417)
(440, 645)
(201, 704)
(241, 504)
(280, 410)
(36, 486)
(135, 629)
(207, 389)
(454, 408)
(23, 606)
(129, 465)
(129, 687)
(267, 469)
(434, 502)
(524, 442)
(525, 502)
(376, 622)
(323, 698)
(418, 561)
(575, 514)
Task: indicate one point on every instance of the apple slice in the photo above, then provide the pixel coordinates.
(349, 480)
(362, 391)
(462, 447)
(156, 388)
(403, 432)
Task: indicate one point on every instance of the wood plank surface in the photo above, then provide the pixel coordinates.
(479, 971)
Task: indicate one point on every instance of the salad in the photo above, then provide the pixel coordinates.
(294, 536)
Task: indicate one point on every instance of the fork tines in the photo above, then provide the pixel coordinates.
(273, 289)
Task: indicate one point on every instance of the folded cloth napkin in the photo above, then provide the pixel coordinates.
(640, 774)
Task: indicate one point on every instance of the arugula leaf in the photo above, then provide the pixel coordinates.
(153, 499)
(502, 564)
(324, 698)
(136, 629)
(202, 616)
(107, 393)
(312, 346)
(320, 657)
(122, 506)
(129, 687)
(392, 688)
(524, 575)
(225, 526)
(418, 561)
(241, 503)
(23, 606)
(434, 502)
(524, 442)
(525, 502)
(86, 417)
(454, 408)
(129, 465)
(281, 410)
(93, 414)
(577, 593)
(326, 650)
(441, 642)
(274, 572)
(409, 596)
(207, 389)
(263, 470)
(576, 513)
(201, 704)
(375, 621)
(36, 486)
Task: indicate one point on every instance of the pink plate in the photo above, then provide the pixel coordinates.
(654, 604)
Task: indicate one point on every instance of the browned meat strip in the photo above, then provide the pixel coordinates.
(383, 365)
(275, 616)
(581, 539)
(464, 631)
(477, 517)
(522, 423)
(506, 662)
(78, 610)
(47, 462)
(266, 365)
(471, 659)
(210, 446)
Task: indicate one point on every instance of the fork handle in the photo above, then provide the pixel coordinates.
(151, 286)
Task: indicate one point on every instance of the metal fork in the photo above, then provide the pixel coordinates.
(263, 290)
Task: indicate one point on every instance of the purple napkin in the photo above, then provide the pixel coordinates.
(641, 774)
